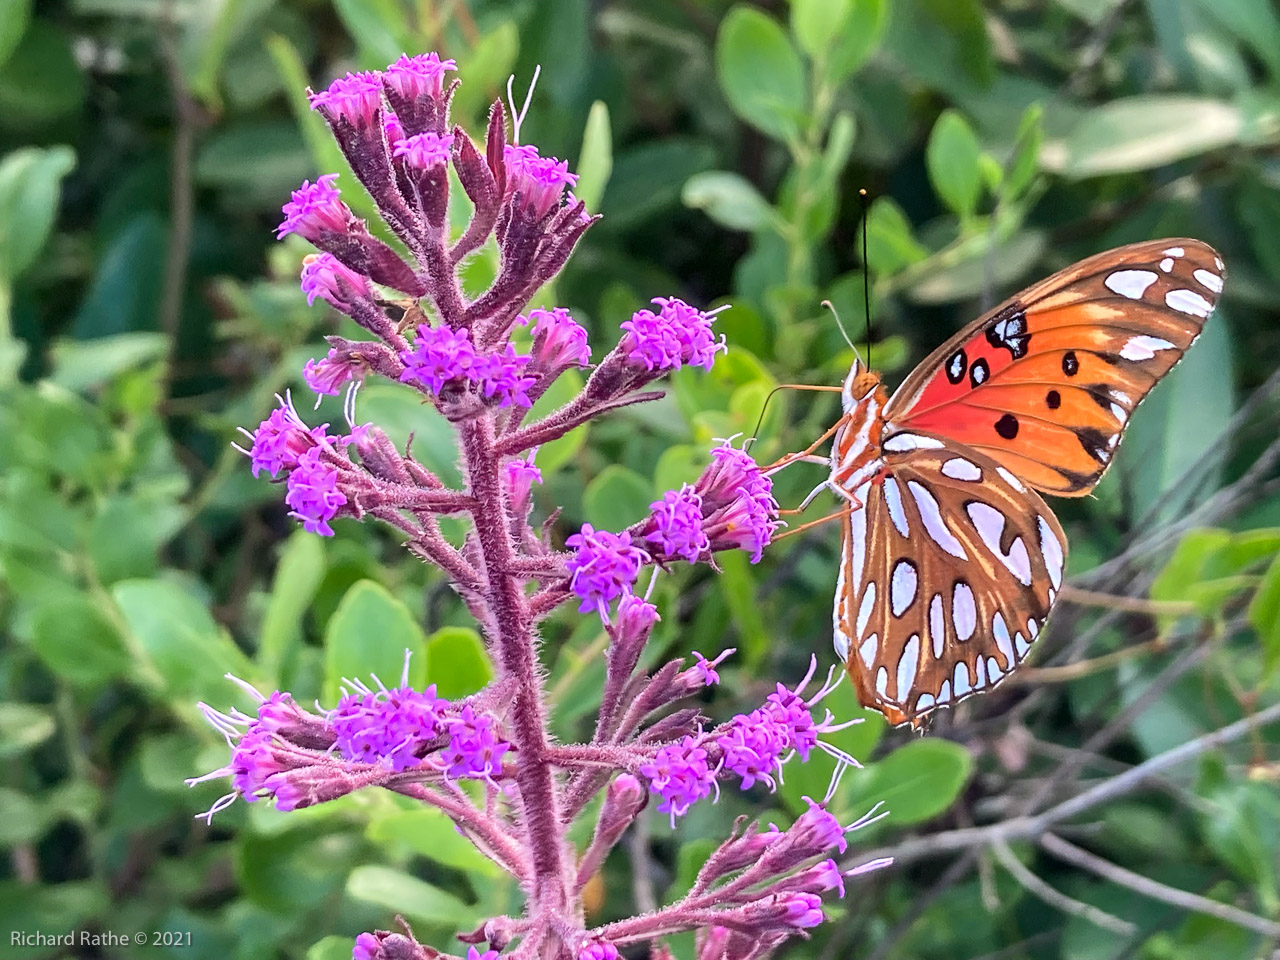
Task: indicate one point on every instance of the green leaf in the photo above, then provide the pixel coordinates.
(738, 586)
(125, 537)
(457, 662)
(952, 159)
(298, 576)
(595, 162)
(23, 726)
(916, 782)
(727, 198)
(22, 819)
(176, 637)
(379, 27)
(760, 72)
(816, 23)
(40, 81)
(30, 186)
(616, 498)
(487, 66)
(393, 890)
(261, 159)
(554, 455)
(81, 365)
(1024, 159)
(368, 635)
(1254, 23)
(1140, 133)
(14, 17)
(861, 33)
(1264, 614)
(429, 833)
(890, 242)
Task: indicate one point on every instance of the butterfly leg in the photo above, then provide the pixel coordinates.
(806, 452)
(842, 512)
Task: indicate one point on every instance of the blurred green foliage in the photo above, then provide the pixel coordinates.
(145, 311)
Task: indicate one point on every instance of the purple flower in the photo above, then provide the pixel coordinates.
(752, 747)
(281, 439)
(366, 947)
(356, 98)
(598, 950)
(387, 727)
(521, 475)
(634, 619)
(391, 127)
(412, 77)
(314, 209)
(818, 878)
(604, 566)
(328, 375)
(559, 341)
(737, 502)
(677, 334)
(679, 774)
(816, 831)
(500, 375)
(439, 355)
(790, 714)
(705, 670)
(423, 150)
(677, 519)
(324, 276)
(313, 493)
(803, 910)
(474, 749)
(540, 181)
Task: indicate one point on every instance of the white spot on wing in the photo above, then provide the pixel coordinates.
(902, 589)
(962, 681)
(868, 604)
(1188, 302)
(1166, 264)
(1144, 347)
(1175, 252)
(937, 625)
(1011, 480)
(944, 695)
(964, 612)
(1210, 281)
(1119, 412)
(1052, 550)
(905, 442)
(990, 524)
(1018, 562)
(1033, 628)
(993, 670)
(893, 497)
(858, 535)
(840, 640)
(907, 667)
(882, 682)
(868, 650)
(924, 702)
(934, 525)
(1000, 631)
(1020, 644)
(958, 468)
(1130, 283)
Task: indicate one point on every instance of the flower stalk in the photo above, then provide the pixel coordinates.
(456, 352)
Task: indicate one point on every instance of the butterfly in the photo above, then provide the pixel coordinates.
(951, 560)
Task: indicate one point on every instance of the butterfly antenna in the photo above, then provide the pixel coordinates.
(866, 268)
(843, 332)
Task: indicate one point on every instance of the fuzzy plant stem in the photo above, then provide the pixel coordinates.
(514, 640)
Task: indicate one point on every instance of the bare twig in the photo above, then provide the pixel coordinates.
(1054, 898)
(1157, 891)
(1111, 601)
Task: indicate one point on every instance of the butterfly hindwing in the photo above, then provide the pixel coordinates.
(947, 574)
(1046, 382)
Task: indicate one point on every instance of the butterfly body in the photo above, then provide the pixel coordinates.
(951, 560)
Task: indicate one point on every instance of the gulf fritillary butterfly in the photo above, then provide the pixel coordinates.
(951, 560)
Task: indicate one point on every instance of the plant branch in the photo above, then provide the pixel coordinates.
(1054, 898)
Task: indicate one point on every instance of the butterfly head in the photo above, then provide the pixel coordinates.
(860, 384)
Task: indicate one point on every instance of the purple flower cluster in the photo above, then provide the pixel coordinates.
(677, 519)
(324, 276)
(676, 335)
(423, 150)
(752, 746)
(539, 181)
(389, 727)
(440, 355)
(315, 209)
(355, 98)
(474, 748)
(313, 492)
(739, 510)
(559, 341)
(604, 566)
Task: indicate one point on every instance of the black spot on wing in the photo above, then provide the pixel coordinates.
(1094, 442)
(1007, 426)
(1008, 329)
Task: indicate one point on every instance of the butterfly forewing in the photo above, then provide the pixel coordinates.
(946, 577)
(1046, 382)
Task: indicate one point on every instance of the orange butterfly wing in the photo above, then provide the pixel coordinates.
(1046, 382)
(947, 574)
